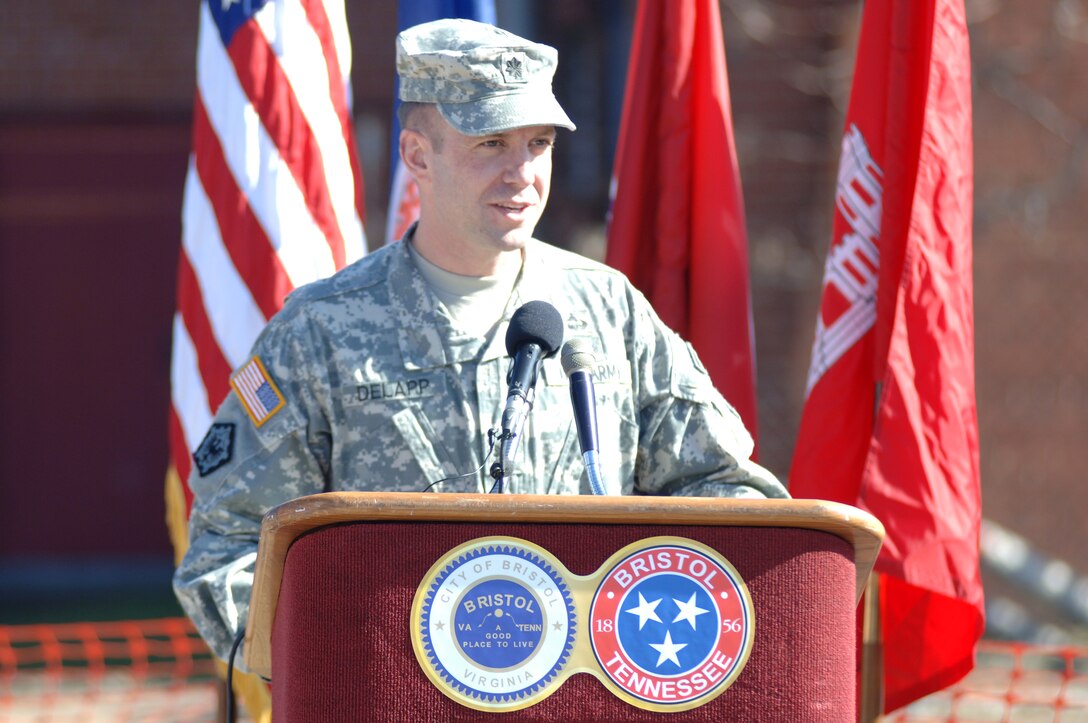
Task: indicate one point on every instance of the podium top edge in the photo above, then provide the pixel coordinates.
(317, 510)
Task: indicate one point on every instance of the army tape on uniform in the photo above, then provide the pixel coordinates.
(666, 624)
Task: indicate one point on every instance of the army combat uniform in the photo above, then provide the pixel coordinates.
(363, 382)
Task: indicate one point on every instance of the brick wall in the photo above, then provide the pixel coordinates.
(1031, 303)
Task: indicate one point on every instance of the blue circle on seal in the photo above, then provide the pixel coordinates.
(499, 623)
(672, 608)
(537, 631)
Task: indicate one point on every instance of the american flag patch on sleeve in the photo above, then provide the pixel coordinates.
(258, 393)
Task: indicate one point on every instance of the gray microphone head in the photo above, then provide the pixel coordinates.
(578, 356)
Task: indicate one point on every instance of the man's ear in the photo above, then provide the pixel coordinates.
(415, 151)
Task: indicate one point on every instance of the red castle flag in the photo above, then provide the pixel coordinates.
(677, 220)
(889, 422)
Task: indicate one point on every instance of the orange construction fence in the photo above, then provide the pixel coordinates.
(160, 670)
(1012, 682)
(135, 670)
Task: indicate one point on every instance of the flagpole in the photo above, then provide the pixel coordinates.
(872, 654)
(872, 637)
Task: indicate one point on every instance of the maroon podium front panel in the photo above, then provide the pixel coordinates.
(343, 651)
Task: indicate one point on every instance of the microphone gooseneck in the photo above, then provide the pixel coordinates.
(578, 364)
(535, 333)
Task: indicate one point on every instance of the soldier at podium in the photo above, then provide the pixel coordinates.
(392, 374)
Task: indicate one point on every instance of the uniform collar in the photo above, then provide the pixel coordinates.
(420, 328)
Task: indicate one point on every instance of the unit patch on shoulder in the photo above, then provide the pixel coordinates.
(216, 448)
(257, 392)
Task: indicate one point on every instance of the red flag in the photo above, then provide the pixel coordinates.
(677, 221)
(889, 423)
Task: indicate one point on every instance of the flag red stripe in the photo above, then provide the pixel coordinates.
(180, 453)
(244, 238)
(214, 368)
(265, 84)
(319, 20)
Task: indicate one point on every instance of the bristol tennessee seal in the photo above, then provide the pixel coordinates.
(493, 624)
(671, 624)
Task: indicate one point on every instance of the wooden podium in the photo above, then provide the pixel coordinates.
(331, 617)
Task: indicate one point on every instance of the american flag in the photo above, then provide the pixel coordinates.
(273, 195)
(257, 391)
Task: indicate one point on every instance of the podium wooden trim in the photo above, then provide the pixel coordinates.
(285, 523)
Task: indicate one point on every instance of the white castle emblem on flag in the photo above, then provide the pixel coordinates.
(848, 307)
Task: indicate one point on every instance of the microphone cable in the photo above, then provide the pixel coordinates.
(473, 473)
(230, 713)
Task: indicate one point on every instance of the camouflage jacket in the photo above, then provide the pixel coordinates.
(366, 384)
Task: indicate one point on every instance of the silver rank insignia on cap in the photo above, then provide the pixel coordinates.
(513, 68)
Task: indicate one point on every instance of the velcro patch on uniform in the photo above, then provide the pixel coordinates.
(257, 391)
(216, 448)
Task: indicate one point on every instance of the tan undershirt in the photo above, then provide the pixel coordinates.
(476, 303)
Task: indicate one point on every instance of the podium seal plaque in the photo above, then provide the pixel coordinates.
(494, 623)
(671, 624)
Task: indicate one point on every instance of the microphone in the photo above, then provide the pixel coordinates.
(578, 363)
(535, 332)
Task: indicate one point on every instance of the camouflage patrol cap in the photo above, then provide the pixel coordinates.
(482, 78)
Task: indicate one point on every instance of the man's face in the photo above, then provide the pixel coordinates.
(488, 192)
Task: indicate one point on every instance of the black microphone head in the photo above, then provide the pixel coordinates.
(578, 356)
(535, 322)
